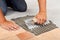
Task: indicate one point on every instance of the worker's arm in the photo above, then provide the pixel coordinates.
(42, 5)
(2, 18)
(6, 24)
(41, 16)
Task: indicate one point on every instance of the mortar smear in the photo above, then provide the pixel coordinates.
(37, 30)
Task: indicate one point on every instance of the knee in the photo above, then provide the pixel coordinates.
(22, 8)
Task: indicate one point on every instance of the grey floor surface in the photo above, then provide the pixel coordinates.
(34, 28)
(53, 11)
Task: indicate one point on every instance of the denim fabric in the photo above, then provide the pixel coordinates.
(17, 5)
(3, 6)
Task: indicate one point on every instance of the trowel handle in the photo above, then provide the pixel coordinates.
(34, 20)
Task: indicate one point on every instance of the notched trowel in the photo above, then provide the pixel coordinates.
(31, 23)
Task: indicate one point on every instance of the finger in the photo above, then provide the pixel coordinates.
(6, 27)
(41, 21)
(15, 26)
(11, 27)
(44, 20)
(38, 21)
(38, 18)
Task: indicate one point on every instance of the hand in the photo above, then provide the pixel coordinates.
(41, 17)
(9, 25)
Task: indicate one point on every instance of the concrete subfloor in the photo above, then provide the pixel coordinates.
(53, 13)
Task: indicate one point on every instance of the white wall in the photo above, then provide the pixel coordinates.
(53, 4)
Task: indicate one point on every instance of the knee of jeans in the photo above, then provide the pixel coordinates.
(22, 9)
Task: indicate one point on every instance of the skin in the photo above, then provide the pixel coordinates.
(41, 17)
(8, 25)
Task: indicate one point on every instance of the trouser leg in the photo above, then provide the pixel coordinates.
(17, 5)
(3, 6)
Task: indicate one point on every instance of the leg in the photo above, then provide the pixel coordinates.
(3, 6)
(18, 5)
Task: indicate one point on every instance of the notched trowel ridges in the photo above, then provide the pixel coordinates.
(37, 30)
(42, 29)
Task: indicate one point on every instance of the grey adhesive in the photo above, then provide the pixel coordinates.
(38, 29)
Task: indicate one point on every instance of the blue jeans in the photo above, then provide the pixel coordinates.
(3, 6)
(17, 5)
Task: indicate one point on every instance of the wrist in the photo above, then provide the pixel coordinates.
(42, 10)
